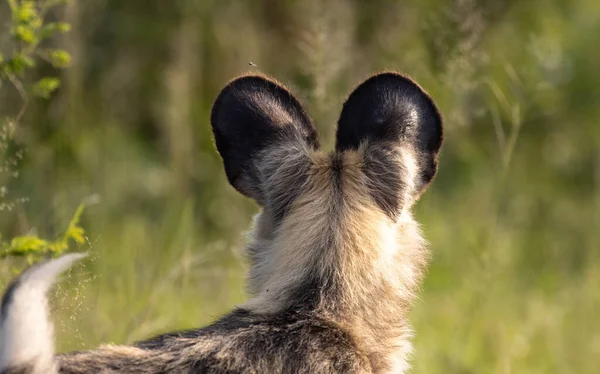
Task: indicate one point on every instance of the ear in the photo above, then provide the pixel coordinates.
(400, 129)
(251, 115)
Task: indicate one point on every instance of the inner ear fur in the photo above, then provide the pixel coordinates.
(253, 113)
(390, 111)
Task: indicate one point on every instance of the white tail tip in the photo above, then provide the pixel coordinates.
(26, 334)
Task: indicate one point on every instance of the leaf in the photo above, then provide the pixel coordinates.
(18, 63)
(24, 34)
(26, 13)
(58, 58)
(77, 233)
(58, 247)
(23, 245)
(46, 86)
(53, 28)
(74, 231)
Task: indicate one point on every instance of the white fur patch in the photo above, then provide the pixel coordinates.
(409, 162)
(26, 333)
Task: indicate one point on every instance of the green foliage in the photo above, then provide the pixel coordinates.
(58, 58)
(28, 31)
(46, 86)
(33, 247)
(512, 216)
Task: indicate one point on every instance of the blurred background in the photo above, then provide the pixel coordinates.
(513, 218)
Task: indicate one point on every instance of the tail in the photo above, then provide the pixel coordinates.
(26, 333)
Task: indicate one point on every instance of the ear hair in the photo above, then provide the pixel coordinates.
(251, 114)
(400, 125)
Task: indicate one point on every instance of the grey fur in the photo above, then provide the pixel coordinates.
(335, 256)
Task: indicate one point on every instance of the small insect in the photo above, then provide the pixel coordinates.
(252, 64)
(335, 255)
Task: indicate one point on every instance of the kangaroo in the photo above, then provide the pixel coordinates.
(336, 258)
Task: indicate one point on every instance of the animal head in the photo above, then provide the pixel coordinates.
(328, 214)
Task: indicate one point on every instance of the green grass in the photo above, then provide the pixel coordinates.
(512, 217)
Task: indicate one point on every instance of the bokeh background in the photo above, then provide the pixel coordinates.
(513, 217)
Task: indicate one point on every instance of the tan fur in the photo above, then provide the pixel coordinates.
(378, 261)
(335, 256)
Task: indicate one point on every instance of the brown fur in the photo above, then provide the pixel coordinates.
(336, 258)
(376, 263)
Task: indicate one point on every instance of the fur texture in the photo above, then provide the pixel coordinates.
(336, 257)
(25, 330)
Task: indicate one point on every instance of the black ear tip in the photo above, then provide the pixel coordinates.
(393, 80)
(253, 112)
(262, 96)
(238, 88)
(385, 107)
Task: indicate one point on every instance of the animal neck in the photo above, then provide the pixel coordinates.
(378, 271)
(361, 274)
(337, 254)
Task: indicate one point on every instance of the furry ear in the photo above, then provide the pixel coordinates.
(253, 114)
(400, 128)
